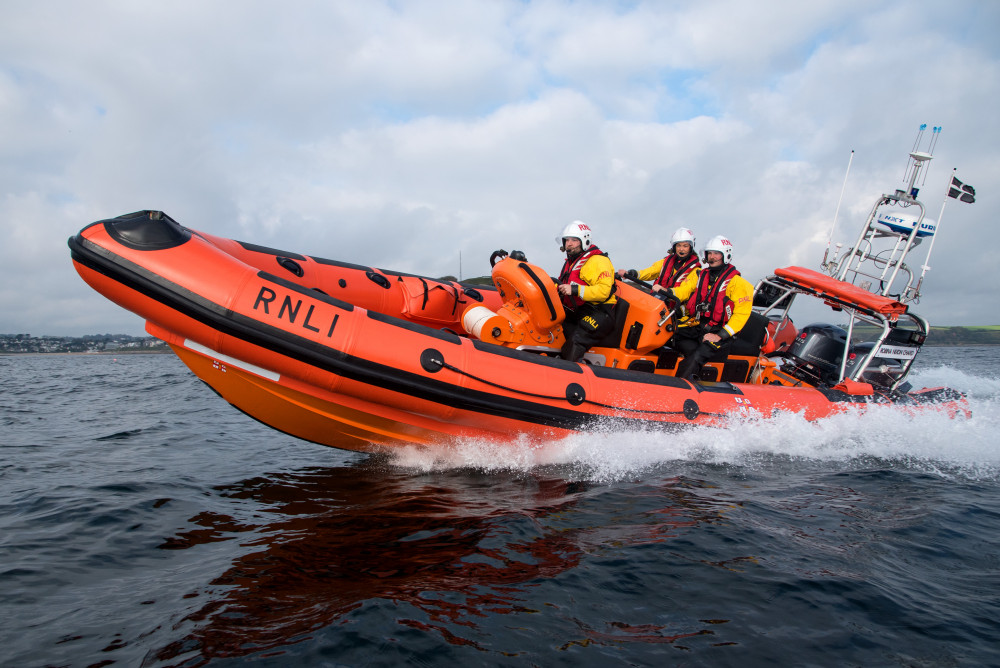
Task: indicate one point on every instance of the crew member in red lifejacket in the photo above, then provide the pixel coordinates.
(680, 262)
(719, 302)
(587, 287)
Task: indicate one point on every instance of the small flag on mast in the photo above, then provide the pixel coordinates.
(961, 191)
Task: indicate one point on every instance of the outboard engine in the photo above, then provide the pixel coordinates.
(817, 353)
(881, 372)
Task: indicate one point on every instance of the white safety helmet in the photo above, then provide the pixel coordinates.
(577, 229)
(682, 234)
(720, 244)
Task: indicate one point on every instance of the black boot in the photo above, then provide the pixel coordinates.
(572, 351)
(690, 366)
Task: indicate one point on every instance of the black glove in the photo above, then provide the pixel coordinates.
(668, 297)
(633, 274)
(723, 334)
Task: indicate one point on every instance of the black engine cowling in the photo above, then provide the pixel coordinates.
(881, 371)
(817, 353)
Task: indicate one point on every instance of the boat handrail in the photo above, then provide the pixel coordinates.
(891, 318)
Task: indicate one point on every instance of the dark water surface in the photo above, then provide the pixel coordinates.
(143, 521)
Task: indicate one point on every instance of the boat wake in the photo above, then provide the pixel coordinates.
(881, 437)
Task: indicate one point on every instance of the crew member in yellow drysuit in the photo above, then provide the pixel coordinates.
(672, 270)
(587, 287)
(719, 300)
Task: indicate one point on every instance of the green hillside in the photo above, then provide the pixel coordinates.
(948, 336)
(964, 336)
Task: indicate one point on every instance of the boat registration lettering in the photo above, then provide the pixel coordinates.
(896, 352)
(289, 308)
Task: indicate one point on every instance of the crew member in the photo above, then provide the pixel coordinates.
(587, 287)
(719, 302)
(680, 261)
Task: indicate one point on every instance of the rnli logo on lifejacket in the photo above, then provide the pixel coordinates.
(289, 308)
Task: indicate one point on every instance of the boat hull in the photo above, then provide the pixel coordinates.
(307, 362)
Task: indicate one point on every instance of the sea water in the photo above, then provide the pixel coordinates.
(143, 521)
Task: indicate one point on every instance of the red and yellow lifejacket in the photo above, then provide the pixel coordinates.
(675, 270)
(571, 274)
(709, 302)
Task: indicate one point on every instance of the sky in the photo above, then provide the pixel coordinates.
(419, 136)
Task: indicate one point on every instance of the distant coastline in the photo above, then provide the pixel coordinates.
(20, 344)
(956, 336)
(25, 344)
(964, 336)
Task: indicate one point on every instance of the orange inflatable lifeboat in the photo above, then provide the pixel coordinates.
(366, 359)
